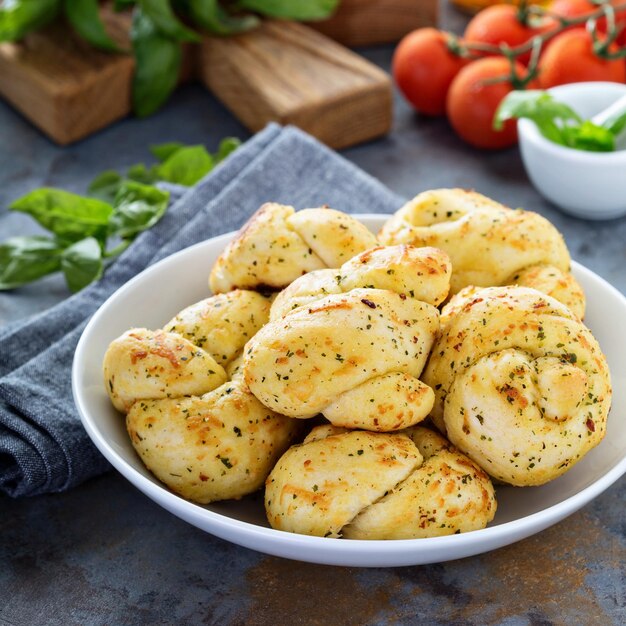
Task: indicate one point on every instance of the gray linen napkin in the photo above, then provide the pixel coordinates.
(43, 446)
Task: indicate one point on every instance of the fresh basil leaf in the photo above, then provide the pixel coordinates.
(122, 5)
(164, 151)
(137, 207)
(105, 186)
(25, 259)
(141, 174)
(186, 166)
(69, 216)
(227, 145)
(616, 125)
(83, 15)
(157, 67)
(538, 106)
(553, 119)
(82, 263)
(19, 17)
(166, 22)
(211, 16)
(588, 136)
(299, 10)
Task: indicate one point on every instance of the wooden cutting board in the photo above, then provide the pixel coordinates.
(63, 85)
(369, 22)
(283, 72)
(289, 73)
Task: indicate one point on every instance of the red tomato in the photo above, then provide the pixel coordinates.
(578, 8)
(570, 59)
(569, 9)
(620, 21)
(572, 8)
(498, 24)
(423, 68)
(473, 100)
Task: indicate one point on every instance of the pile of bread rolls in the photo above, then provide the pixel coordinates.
(375, 385)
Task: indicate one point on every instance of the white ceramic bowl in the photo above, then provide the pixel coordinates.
(157, 294)
(590, 185)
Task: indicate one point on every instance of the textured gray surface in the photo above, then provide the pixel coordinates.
(104, 554)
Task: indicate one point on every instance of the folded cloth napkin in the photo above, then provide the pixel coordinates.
(43, 446)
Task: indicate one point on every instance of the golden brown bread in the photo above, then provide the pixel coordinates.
(217, 446)
(488, 243)
(354, 355)
(303, 363)
(552, 281)
(188, 357)
(277, 245)
(192, 420)
(417, 273)
(522, 386)
(364, 485)
(143, 364)
(222, 324)
(446, 494)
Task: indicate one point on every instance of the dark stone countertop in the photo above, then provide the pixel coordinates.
(105, 554)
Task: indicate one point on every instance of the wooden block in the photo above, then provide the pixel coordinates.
(67, 88)
(63, 85)
(367, 22)
(289, 73)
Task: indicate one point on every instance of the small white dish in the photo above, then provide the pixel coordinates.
(590, 185)
(150, 299)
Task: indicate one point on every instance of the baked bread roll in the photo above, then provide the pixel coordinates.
(191, 418)
(552, 281)
(189, 355)
(364, 485)
(522, 386)
(357, 356)
(488, 243)
(417, 273)
(277, 245)
(217, 446)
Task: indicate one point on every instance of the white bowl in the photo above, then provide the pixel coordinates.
(590, 185)
(157, 294)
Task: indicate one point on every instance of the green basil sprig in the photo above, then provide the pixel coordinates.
(25, 259)
(82, 263)
(290, 9)
(178, 163)
(80, 229)
(137, 208)
(161, 14)
(558, 122)
(158, 59)
(210, 16)
(87, 232)
(84, 17)
(20, 17)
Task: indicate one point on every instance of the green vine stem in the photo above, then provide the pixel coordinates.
(601, 45)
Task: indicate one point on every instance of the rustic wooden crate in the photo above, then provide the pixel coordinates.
(368, 22)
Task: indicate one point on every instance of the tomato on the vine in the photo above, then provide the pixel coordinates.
(572, 8)
(474, 97)
(570, 58)
(499, 24)
(620, 23)
(423, 67)
(578, 8)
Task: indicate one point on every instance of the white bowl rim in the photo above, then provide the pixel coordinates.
(344, 551)
(527, 130)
